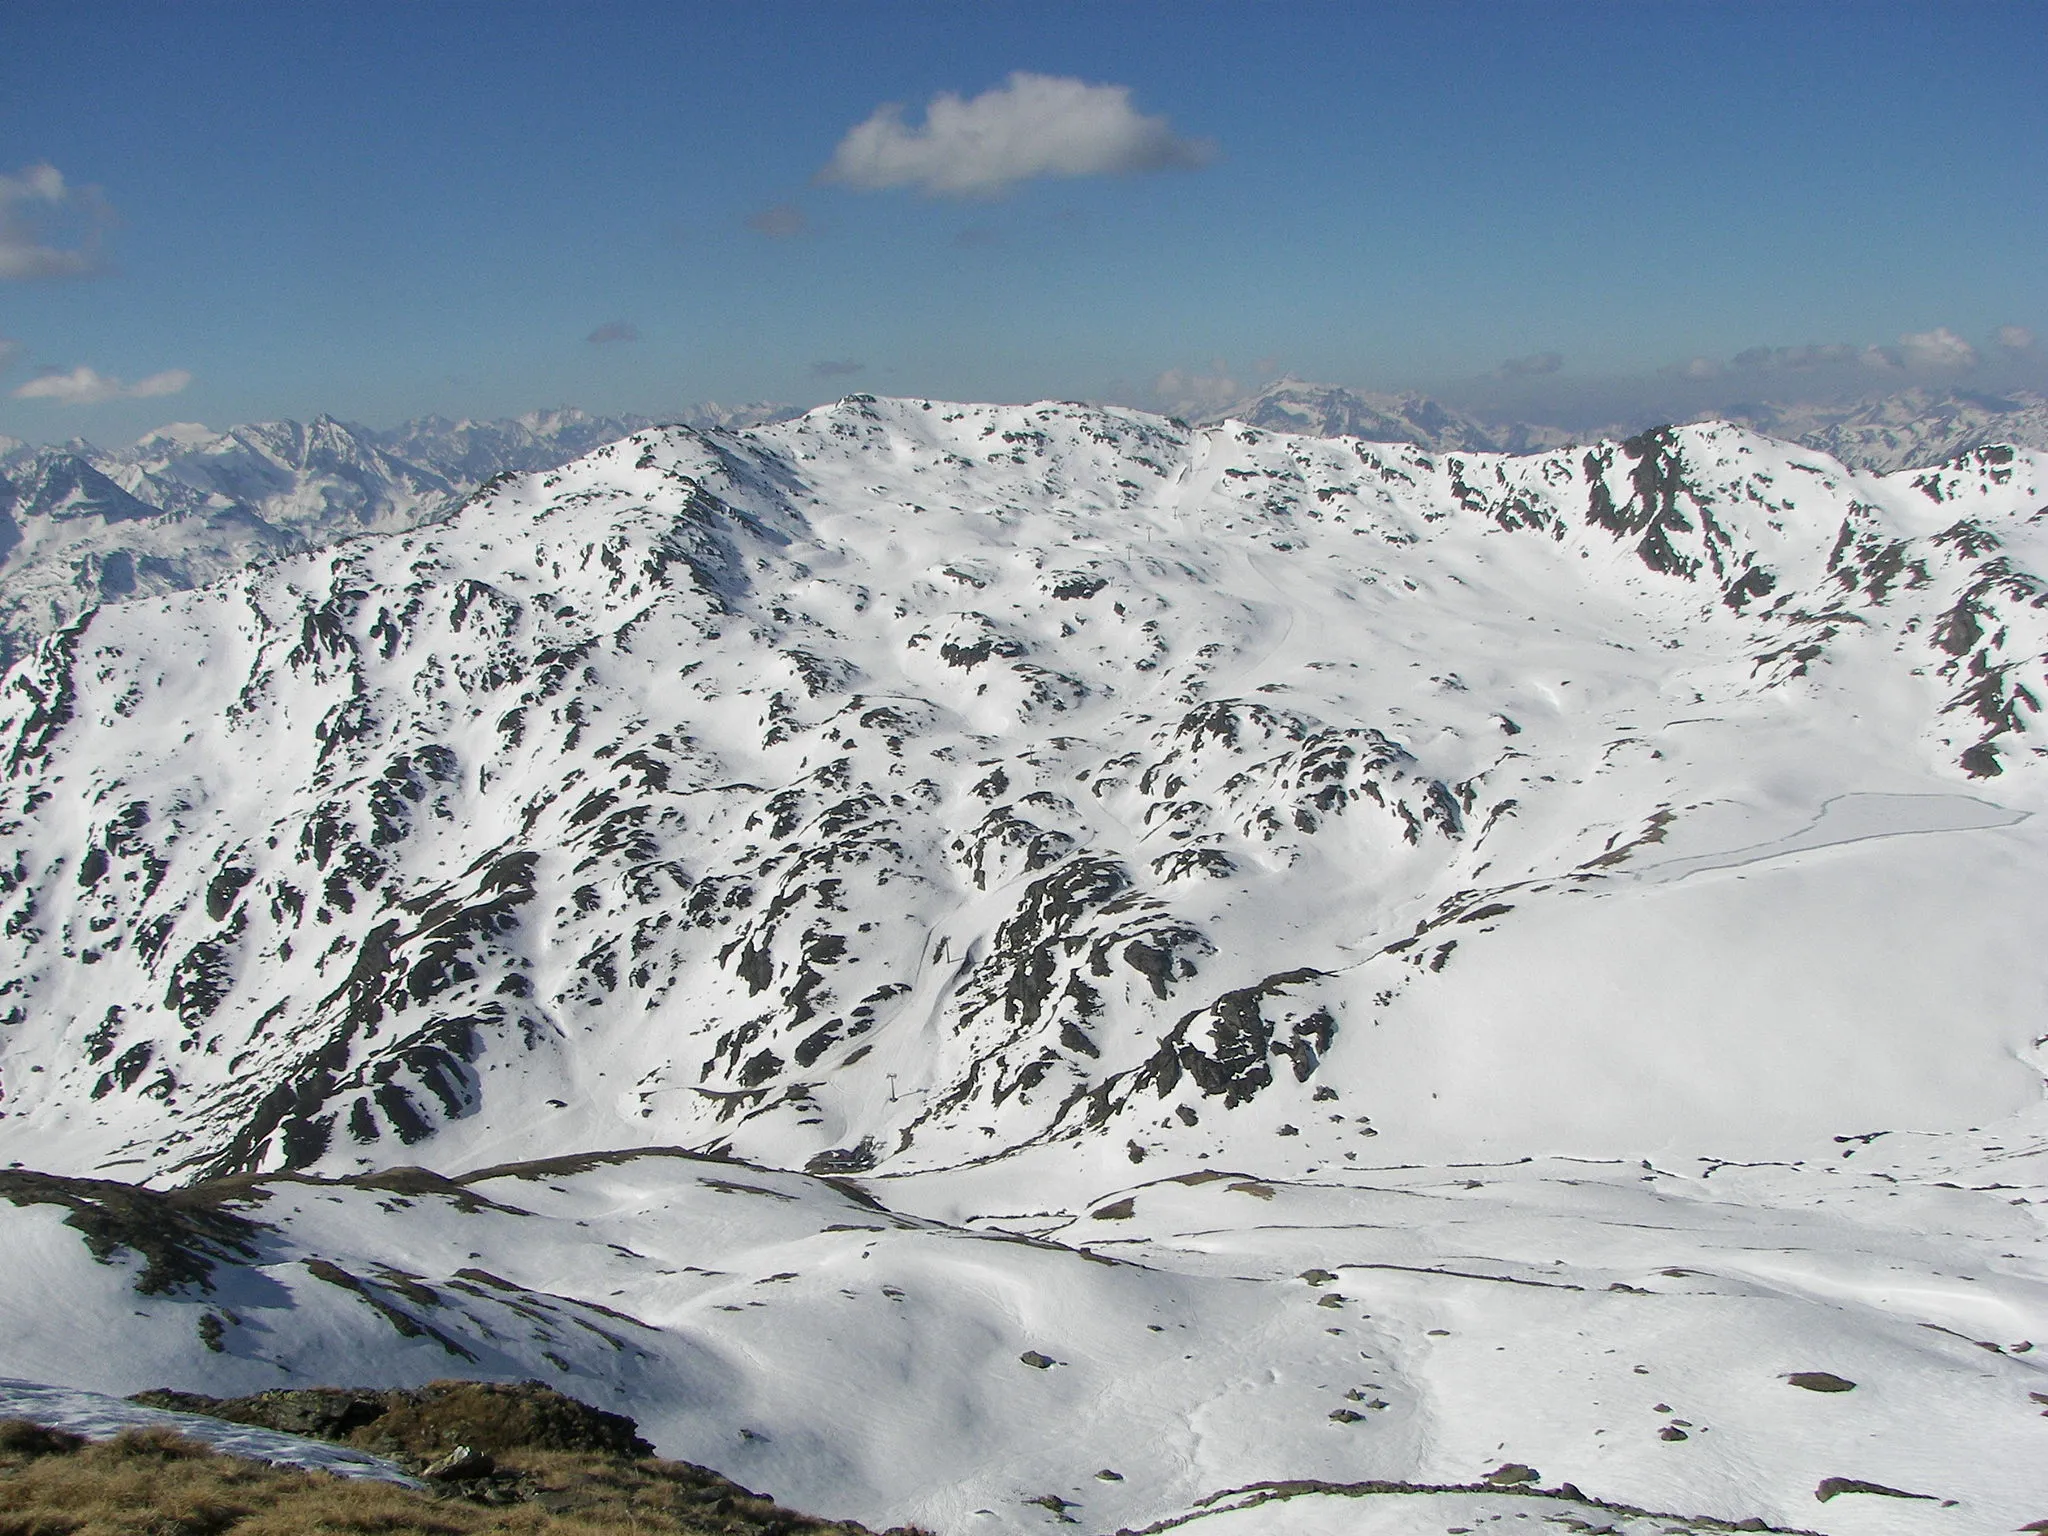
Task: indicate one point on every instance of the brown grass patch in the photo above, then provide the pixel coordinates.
(155, 1482)
(418, 1424)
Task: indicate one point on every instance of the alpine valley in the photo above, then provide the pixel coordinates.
(1001, 967)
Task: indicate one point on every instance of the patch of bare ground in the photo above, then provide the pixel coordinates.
(156, 1482)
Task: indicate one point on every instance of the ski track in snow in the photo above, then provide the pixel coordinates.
(1845, 819)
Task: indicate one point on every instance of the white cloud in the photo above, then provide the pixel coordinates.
(83, 386)
(1935, 350)
(2015, 338)
(1938, 348)
(1036, 125)
(32, 201)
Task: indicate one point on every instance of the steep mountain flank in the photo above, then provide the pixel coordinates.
(910, 783)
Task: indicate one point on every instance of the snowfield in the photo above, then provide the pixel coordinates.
(1008, 966)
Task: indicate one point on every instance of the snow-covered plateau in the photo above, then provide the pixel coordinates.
(1013, 966)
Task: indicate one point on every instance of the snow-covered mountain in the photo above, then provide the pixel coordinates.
(1328, 410)
(1466, 933)
(80, 525)
(1908, 430)
(184, 506)
(467, 453)
(1159, 739)
(1913, 429)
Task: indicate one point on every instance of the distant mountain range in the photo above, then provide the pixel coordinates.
(1909, 430)
(82, 525)
(1328, 410)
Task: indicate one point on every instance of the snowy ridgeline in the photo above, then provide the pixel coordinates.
(82, 525)
(1096, 833)
(1914, 429)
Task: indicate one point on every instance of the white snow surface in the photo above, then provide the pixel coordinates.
(1521, 954)
(97, 1416)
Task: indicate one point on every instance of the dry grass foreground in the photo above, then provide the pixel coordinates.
(156, 1482)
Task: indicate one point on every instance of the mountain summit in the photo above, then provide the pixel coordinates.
(910, 783)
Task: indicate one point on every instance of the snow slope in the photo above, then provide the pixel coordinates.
(1581, 902)
(80, 525)
(1203, 771)
(958, 1348)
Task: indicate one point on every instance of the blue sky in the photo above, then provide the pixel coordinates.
(382, 210)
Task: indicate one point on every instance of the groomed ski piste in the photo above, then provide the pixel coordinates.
(1003, 967)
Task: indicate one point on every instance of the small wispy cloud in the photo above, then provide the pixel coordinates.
(1936, 351)
(1917, 353)
(1532, 366)
(84, 386)
(827, 368)
(613, 331)
(783, 221)
(1033, 126)
(1941, 349)
(49, 228)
